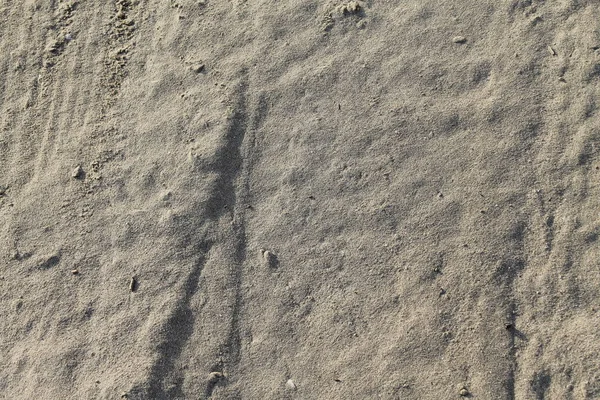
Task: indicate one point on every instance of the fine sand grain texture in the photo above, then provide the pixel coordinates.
(318, 199)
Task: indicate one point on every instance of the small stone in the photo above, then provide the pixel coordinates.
(78, 172)
(354, 6)
(75, 271)
(551, 51)
(459, 39)
(290, 384)
(535, 20)
(133, 284)
(215, 377)
(197, 68)
(3, 190)
(570, 387)
(68, 37)
(270, 258)
(463, 392)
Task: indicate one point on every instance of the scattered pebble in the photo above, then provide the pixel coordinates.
(3, 190)
(463, 392)
(551, 51)
(75, 271)
(290, 384)
(270, 258)
(68, 37)
(535, 20)
(197, 68)
(215, 377)
(459, 39)
(570, 387)
(77, 172)
(133, 284)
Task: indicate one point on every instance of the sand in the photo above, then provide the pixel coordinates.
(299, 199)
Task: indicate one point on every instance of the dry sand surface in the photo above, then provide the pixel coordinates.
(238, 199)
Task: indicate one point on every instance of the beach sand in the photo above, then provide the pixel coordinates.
(299, 199)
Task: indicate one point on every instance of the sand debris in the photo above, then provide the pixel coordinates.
(78, 172)
(352, 7)
(133, 284)
(290, 385)
(197, 68)
(270, 258)
(215, 377)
